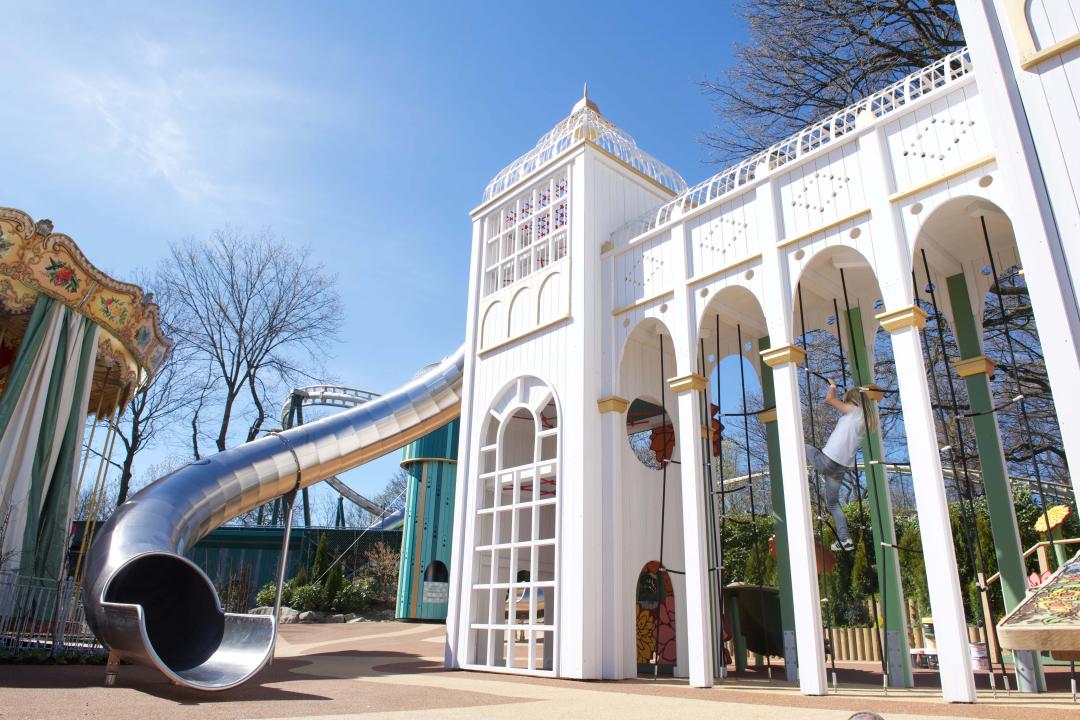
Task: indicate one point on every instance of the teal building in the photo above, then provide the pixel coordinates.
(424, 578)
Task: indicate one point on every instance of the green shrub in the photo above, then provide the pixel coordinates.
(332, 585)
(356, 596)
(308, 597)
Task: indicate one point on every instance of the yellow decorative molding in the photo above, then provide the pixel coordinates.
(666, 295)
(1030, 54)
(607, 247)
(612, 404)
(720, 271)
(532, 331)
(874, 392)
(775, 357)
(1058, 48)
(767, 416)
(910, 316)
(666, 190)
(974, 366)
(686, 383)
(962, 170)
(824, 228)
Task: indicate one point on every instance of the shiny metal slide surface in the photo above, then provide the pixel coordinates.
(151, 605)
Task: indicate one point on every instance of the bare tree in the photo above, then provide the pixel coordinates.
(807, 58)
(258, 311)
(392, 497)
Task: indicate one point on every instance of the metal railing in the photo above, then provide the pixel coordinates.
(900, 94)
(38, 613)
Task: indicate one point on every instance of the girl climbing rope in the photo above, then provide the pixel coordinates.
(838, 455)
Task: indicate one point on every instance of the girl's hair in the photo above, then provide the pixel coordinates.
(860, 399)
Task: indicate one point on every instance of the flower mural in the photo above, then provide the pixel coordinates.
(62, 275)
(655, 617)
(113, 309)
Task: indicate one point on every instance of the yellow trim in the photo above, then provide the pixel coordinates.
(612, 404)
(647, 301)
(1030, 55)
(767, 416)
(775, 357)
(962, 170)
(608, 246)
(726, 269)
(824, 228)
(1054, 50)
(974, 366)
(527, 333)
(687, 383)
(905, 317)
(418, 541)
(667, 191)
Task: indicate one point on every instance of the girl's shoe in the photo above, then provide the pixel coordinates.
(844, 546)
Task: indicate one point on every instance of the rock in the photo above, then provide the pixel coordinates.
(312, 616)
(349, 617)
(358, 619)
(338, 618)
(286, 615)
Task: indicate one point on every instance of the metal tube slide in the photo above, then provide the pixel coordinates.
(149, 604)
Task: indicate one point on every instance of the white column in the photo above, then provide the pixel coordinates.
(943, 577)
(784, 361)
(699, 616)
(1035, 172)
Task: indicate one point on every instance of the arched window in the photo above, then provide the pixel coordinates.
(436, 572)
(515, 536)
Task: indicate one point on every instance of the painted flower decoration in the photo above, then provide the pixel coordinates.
(646, 636)
(1062, 602)
(114, 310)
(62, 275)
(5, 244)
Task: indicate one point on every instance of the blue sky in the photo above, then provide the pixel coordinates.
(367, 130)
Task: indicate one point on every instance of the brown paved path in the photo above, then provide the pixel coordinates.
(393, 670)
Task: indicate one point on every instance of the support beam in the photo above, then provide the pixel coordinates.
(803, 565)
(946, 600)
(779, 518)
(879, 507)
(999, 501)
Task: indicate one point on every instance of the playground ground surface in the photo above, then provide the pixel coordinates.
(394, 670)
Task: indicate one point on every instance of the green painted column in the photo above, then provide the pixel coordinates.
(879, 507)
(779, 518)
(1007, 547)
(423, 580)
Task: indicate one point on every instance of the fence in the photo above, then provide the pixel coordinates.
(41, 614)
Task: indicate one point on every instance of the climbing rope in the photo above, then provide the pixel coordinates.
(753, 506)
(880, 624)
(967, 514)
(817, 491)
(716, 588)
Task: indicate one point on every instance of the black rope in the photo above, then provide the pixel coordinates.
(753, 507)
(881, 628)
(715, 580)
(746, 413)
(663, 513)
(1022, 415)
(966, 514)
(723, 494)
(817, 487)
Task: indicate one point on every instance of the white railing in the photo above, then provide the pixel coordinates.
(36, 614)
(941, 74)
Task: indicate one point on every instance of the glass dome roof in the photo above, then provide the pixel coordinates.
(585, 123)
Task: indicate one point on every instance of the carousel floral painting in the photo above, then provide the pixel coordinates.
(62, 275)
(655, 619)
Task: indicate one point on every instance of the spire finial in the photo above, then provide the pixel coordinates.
(585, 101)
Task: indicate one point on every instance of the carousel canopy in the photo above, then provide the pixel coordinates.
(34, 261)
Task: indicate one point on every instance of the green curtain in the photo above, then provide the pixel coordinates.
(48, 391)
